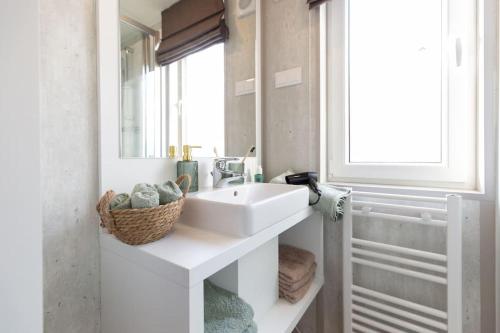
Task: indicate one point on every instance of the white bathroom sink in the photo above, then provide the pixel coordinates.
(245, 209)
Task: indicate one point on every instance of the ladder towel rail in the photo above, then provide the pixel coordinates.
(400, 218)
(399, 312)
(401, 302)
(367, 310)
(399, 260)
(407, 208)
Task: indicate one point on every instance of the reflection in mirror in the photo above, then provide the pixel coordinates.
(240, 103)
(203, 98)
(142, 114)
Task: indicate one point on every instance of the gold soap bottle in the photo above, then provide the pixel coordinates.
(189, 167)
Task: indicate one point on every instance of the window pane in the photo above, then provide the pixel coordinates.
(204, 100)
(395, 66)
(173, 103)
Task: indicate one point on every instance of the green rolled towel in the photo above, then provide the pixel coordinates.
(230, 325)
(169, 192)
(142, 187)
(120, 201)
(226, 312)
(252, 328)
(332, 198)
(331, 202)
(145, 199)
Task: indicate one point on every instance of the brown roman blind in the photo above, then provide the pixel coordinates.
(190, 26)
(314, 3)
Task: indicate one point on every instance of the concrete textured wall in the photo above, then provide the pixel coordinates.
(290, 125)
(239, 65)
(290, 136)
(69, 165)
(291, 114)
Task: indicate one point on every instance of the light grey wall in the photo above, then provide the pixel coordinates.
(291, 114)
(20, 196)
(239, 65)
(69, 166)
(487, 264)
(290, 130)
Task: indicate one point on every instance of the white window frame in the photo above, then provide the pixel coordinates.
(459, 162)
(181, 125)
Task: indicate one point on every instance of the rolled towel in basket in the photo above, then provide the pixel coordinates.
(120, 201)
(142, 187)
(145, 199)
(169, 192)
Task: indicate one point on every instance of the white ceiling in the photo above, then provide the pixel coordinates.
(148, 12)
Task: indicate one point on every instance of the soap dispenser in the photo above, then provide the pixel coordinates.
(189, 167)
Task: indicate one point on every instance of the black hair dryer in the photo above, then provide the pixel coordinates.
(306, 178)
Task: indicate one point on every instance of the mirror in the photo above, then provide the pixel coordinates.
(206, 98)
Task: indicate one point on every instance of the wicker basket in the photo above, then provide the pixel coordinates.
(141, 226)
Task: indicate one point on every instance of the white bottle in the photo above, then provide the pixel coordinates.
(248, 176)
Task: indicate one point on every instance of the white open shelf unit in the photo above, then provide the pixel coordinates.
(158, 287)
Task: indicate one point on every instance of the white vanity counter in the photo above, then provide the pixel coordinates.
(189, 255)
(158, 287)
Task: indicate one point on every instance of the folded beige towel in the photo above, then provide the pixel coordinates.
(295, 296)
(294, 263)
(288, 286)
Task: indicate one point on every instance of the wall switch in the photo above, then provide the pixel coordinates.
(288, 78)
(245, 87)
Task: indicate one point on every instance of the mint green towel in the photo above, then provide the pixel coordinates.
(169, 192)
(142, 187)
(229, 325)
(225, 312)
(120, 201)
(332, 200)
(145, 199)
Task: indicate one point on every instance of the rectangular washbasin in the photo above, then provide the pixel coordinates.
(245, 209)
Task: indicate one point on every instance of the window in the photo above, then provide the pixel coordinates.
(402, 92)
(203, 100)
(196, 101)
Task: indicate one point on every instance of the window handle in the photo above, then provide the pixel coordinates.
(458, 52)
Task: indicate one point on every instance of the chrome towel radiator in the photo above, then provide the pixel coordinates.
(367, 310)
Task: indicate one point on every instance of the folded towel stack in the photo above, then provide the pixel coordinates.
(226, 312)
(297, 268)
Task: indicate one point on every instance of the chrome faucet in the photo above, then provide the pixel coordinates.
(223, 176)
